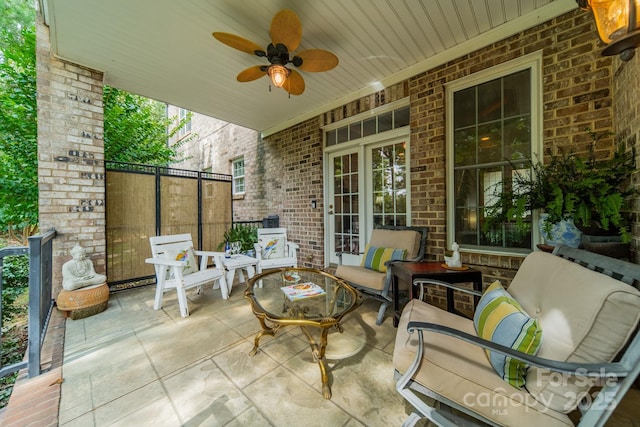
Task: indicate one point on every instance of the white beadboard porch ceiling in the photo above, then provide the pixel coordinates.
(163, 49)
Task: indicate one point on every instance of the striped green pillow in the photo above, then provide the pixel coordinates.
(374, 257)
(501, 319)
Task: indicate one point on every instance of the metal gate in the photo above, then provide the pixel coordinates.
(144, 201)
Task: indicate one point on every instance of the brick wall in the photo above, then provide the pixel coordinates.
(626, 92)
(291, 162)
(70, 156)
(215, 144)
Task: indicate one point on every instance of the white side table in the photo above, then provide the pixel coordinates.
(239, 262)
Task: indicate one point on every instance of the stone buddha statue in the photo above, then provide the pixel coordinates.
(78, 272)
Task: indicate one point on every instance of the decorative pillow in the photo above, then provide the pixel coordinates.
(187, 255)
(501, 319)
(374, 257)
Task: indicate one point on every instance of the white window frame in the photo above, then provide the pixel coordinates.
(234, 162)
(186, 129)
(532, 61)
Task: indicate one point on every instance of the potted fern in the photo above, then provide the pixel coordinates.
(247, 235)
(588, 191)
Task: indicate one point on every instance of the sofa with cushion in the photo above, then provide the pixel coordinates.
(535, 354)
(388, 244)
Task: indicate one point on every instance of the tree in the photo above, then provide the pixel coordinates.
(136, 130)
(18, 129)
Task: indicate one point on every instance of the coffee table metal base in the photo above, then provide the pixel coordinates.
(317, 349)
(311, 299)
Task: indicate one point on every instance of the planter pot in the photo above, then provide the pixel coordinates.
(562, 233)
(611, 246)
(251, 253)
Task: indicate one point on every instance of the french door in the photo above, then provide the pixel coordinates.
(366, 188)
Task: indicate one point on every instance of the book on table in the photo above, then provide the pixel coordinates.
(302, 290)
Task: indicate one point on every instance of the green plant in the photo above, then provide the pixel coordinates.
(246, 234)
(590, 191)
(15, 281)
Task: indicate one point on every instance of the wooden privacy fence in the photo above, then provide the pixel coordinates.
(144, 201)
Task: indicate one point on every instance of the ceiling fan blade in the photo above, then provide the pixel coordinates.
(238, 42)
(286, 29)
(317, 60)
(294, 84)
(251, 73)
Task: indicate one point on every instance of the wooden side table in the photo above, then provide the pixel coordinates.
(406, 272)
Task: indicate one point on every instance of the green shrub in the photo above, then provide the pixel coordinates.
(15, 280)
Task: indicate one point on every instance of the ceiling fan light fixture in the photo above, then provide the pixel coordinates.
(278, 74)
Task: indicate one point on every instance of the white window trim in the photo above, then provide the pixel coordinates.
(183, 131)
(531, 61)
(233, 176)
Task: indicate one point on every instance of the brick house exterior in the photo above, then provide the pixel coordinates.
(284, 171)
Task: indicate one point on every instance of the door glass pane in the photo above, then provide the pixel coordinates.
(345, 209)
(389, 188)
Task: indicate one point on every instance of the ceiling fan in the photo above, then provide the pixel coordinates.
(285, 33)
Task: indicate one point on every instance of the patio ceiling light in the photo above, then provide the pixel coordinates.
(278, 74)
(618, 25)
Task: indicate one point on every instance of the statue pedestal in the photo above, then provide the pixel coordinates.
(83, 302)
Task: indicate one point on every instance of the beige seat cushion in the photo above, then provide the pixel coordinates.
(461, 372)
(585, 317)
(361, 276)
(381, 238)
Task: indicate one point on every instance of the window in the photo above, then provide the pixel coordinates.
(492, 123)
(360, 128)
(186, 127)
(237, 168)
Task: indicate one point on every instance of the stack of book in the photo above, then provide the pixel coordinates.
(302, 290)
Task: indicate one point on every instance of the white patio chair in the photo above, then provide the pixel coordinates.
(177, 268)
(273, 250)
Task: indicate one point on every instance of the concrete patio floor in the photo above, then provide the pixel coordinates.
(132, 365)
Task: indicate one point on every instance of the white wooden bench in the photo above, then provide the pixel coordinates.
(177, 267)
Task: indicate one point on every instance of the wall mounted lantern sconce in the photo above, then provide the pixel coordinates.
(618, 25)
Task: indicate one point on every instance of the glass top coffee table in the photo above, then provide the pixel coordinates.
(304, 297)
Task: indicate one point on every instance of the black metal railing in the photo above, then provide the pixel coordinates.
(271, 221)
(40, 252)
